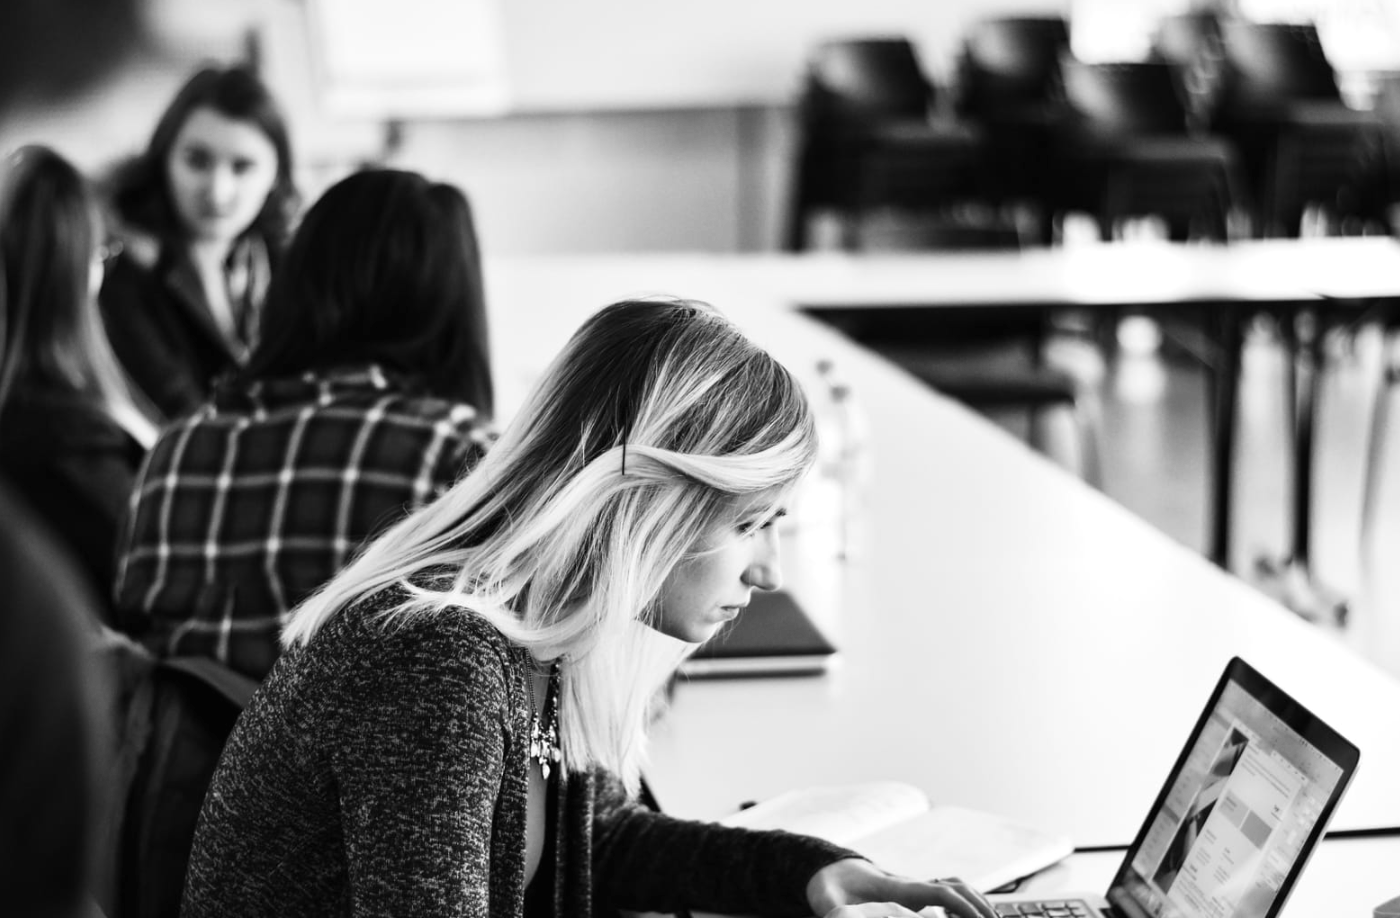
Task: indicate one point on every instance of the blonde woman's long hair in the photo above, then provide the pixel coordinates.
(658, 422)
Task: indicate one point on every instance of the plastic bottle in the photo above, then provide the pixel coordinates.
(840, 457)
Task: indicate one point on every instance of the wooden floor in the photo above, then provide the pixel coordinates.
(1154, 447)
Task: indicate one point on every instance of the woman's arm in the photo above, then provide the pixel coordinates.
(420, 766)
(646, 861)
(134, 313)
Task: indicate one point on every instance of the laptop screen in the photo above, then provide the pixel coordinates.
(1246, 801)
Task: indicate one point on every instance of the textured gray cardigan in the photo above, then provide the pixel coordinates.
(383, 772)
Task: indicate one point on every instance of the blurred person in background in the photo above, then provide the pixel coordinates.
(71, 437)
(51, 702)
(364, 399)
(203, 215)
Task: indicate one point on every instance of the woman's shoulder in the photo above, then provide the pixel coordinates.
(136, 247)
(132, 280)
(408, 395)
(397, 401)
(450, 641)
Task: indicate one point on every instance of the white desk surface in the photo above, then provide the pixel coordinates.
(1148, 273)
(1013, 640)
(1346, 878)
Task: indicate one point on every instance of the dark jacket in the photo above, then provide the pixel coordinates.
(74, 466)
(157, 318)
(50, 718)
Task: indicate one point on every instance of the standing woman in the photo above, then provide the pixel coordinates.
(204, 212)
(70, 436)
(458, 722)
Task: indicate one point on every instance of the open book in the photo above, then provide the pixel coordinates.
(894, 825)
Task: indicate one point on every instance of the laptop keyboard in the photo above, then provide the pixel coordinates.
(1056, 908)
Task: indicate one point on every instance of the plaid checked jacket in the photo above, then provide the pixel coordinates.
(259, 497)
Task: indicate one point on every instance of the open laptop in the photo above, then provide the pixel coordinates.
(1241, 811)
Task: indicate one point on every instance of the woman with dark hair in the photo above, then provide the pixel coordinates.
(203, 214)
(391, 263)
(71, 437)
(459, 721)
(366, 396)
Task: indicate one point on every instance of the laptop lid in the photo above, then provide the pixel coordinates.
(1241, 810)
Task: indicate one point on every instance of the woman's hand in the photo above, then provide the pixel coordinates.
(855, 888)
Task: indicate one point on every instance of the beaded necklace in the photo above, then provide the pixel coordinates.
(544, 724)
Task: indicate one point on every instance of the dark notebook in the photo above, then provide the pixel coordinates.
(772, 637)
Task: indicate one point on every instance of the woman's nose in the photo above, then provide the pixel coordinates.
(766, 570)
(221, 186)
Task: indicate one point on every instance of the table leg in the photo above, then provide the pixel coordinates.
(1306, 363)
(1224, 395)
(1291, 580)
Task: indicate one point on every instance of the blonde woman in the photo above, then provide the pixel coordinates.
(458, 722)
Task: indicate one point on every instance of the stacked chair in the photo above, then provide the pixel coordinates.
(1125, 151)
(1007, 83)
(869, 140)
(1191, 44)
(1030, 121)
(1280, 105)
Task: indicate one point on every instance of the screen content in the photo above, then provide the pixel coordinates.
(1235, 819)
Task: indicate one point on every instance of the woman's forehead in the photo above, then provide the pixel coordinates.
(764, 503)
(210, 128)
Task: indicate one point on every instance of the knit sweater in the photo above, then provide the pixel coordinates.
(383, 771)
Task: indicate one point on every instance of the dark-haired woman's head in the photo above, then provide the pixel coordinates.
(384, 269)
(50, 332)
(218, 165)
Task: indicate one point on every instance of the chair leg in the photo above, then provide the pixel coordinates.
(795, 232)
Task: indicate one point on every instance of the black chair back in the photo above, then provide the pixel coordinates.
(1269, 64)
(1117, 99)
(1013, 63)
(868, 80)
(1192, 45)
(1185, 39)
(868, 139)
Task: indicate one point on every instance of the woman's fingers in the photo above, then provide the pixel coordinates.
(975, 905)
(953, 895)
